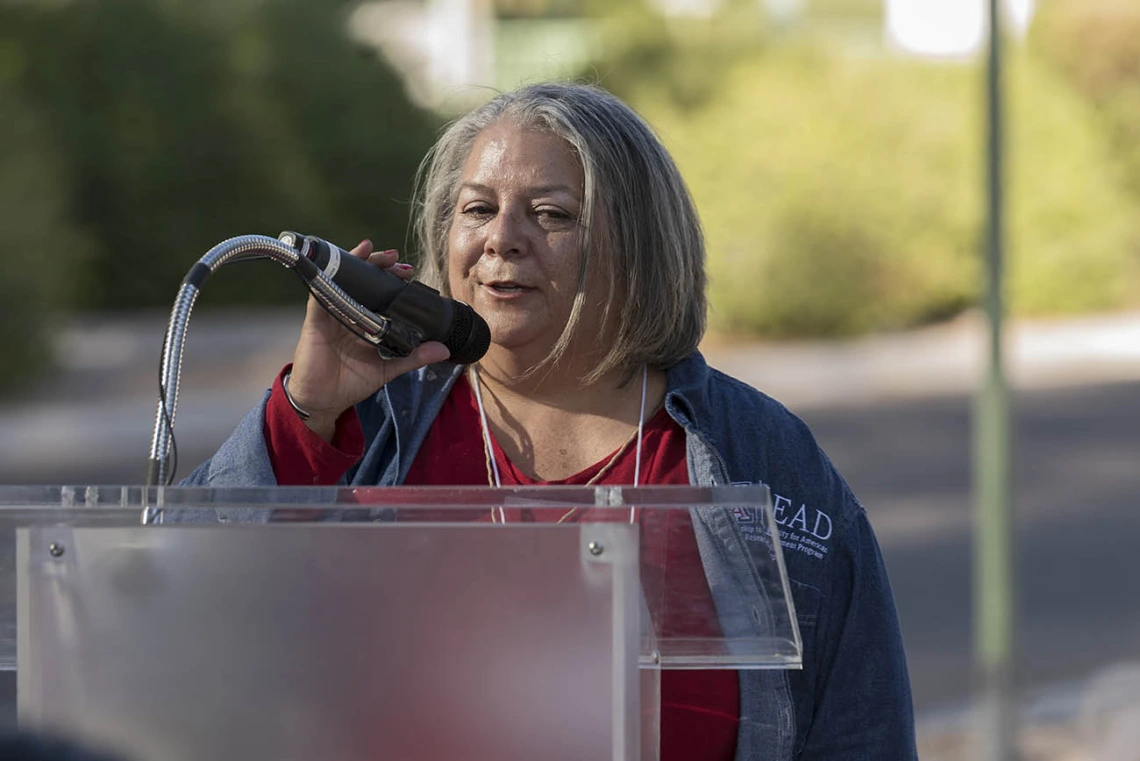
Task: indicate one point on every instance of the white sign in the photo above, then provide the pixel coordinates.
(937, 27)
(949, 28)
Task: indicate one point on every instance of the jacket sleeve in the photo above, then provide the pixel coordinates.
(242, 460)
(863, 708)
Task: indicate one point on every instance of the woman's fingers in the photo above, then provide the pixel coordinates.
(402, 270)
(387, 260)
(363, 249)
(427, 353)
(384, 259)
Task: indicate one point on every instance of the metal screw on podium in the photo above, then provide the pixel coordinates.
(596, 548)
(55, 549)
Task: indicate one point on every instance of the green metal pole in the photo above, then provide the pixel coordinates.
(993, 524)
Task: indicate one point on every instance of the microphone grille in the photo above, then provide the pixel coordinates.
(470, 336)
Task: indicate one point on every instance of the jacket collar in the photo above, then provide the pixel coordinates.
(687, 391)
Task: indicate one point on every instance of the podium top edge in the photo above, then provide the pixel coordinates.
(22, 497)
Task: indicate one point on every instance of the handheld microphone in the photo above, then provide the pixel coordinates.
(420, 312)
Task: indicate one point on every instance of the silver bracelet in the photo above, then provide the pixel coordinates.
(289, 398)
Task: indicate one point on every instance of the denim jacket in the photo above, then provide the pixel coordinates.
(851, 701)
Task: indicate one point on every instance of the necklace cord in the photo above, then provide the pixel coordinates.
(492, 466)
(494, 479)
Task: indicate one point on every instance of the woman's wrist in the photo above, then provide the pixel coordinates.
(301, 412)
(324, 425)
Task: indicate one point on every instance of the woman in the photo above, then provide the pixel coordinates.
(559, 217)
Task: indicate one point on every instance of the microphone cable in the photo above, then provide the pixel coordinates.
(172, 456)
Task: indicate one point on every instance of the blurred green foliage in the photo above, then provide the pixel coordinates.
(841, 186)
(1095, 46)
(842, 192)
(40, 240)
(140, 133)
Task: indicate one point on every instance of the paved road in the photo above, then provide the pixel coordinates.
(893, 413)
(1077, 502)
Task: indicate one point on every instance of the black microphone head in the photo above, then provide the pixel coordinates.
(470, 336)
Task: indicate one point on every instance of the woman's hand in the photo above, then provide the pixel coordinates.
(333, 369)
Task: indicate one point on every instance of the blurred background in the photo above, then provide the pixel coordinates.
(836, 151)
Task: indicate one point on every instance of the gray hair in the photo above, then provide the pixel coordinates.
(639, 224)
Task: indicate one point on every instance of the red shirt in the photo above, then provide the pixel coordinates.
(700, 710)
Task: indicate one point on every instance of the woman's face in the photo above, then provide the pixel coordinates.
(513, 247)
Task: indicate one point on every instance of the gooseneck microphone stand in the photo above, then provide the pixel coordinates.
(290, 251)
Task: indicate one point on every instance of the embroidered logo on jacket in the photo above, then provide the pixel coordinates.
(803, 529)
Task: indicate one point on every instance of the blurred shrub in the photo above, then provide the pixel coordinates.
(137, 134)
(1095, 45)
(182, 123)
(42, 247)
(842, 194)
(1074, 235)
(1095, 42)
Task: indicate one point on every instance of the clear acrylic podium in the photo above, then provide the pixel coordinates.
(350, 624)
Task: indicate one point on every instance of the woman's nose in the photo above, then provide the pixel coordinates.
(505, 235)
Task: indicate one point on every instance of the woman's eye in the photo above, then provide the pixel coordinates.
(478, 210)
(546, 212)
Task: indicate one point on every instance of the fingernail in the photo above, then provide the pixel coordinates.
(366, 240)
(403, 266)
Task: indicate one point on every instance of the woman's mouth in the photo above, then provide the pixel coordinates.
(506, 287)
